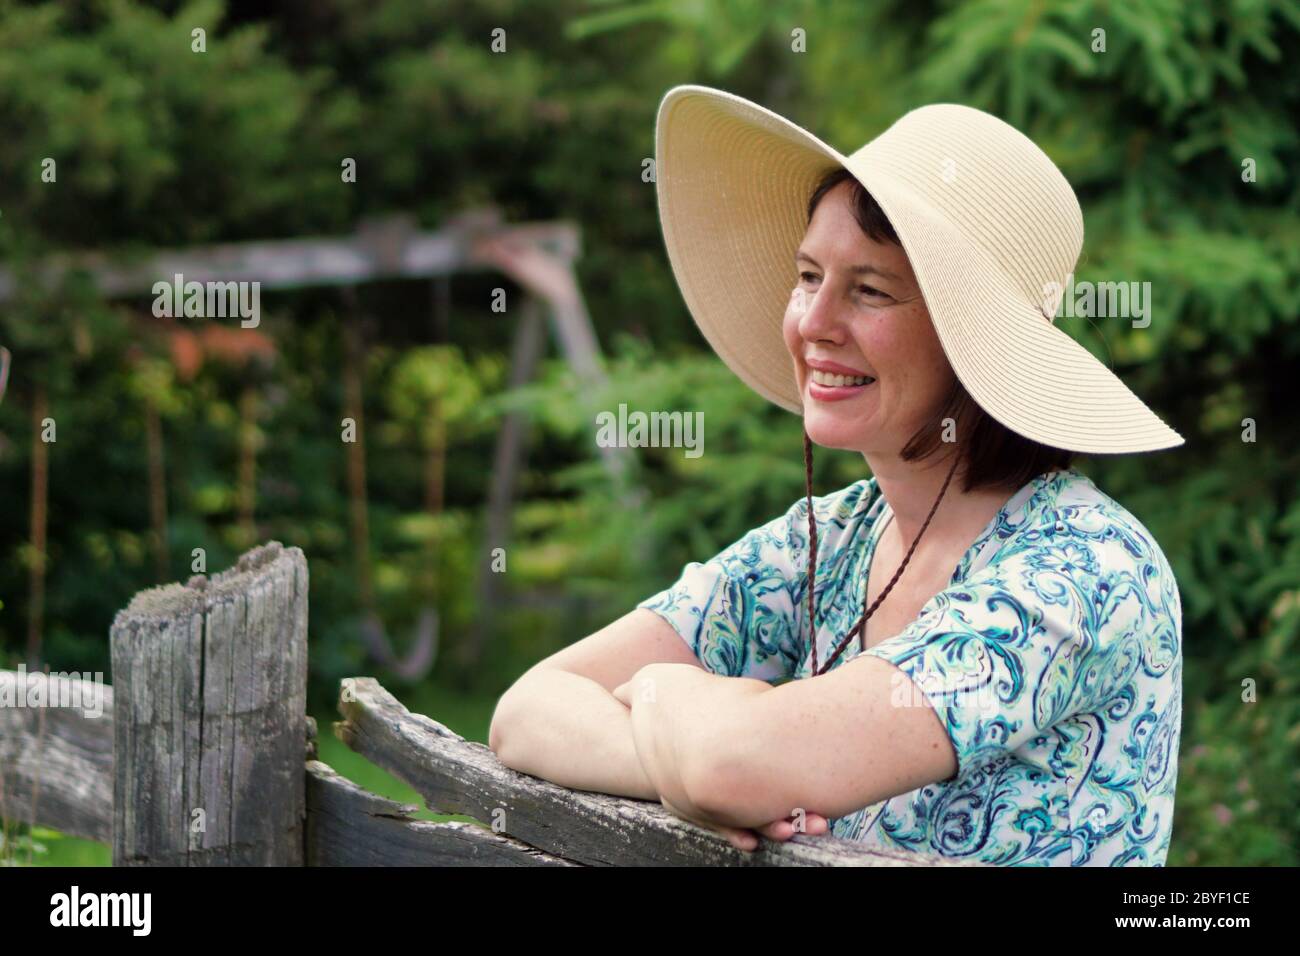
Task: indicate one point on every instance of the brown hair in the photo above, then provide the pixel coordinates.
(994, 455)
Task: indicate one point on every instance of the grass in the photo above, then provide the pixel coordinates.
(52, 848)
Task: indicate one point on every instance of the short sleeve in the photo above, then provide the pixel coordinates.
(1039, 635)
(736, 611)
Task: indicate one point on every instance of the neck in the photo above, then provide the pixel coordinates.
(910, 489)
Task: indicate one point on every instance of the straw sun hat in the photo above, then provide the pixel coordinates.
(987, 221)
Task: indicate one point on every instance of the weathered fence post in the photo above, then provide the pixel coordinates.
(210, 685)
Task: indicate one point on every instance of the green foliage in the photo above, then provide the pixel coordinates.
(435, 382)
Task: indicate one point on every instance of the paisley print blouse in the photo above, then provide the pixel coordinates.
(1053, 659)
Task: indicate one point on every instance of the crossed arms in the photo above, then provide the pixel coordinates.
(629, 710)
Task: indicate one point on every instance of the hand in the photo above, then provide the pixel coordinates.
(669, 683)
(814, 824)
(741, 838)
(744, 838)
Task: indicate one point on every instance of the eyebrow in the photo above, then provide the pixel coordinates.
(855, 270)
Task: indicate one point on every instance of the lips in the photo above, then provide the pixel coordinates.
(832, 382)
(837, 393)
(835, 368)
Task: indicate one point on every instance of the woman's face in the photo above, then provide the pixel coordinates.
(870, 322)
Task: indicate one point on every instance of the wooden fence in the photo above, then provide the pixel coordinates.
(201, 753)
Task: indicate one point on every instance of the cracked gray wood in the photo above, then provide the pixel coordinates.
(56, 762)
(210, 682)
(350, 826)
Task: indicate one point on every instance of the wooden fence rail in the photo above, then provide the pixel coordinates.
(201, 754)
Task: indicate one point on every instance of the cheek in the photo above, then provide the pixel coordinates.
(929, 357)
(905, 350)
(931, 376)
(887, 344)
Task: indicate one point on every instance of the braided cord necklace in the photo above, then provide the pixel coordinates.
(860, 628)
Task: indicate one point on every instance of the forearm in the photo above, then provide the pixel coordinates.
(726, 744)
(570, 730)
(693, 734)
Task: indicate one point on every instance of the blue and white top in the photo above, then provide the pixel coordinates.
(1053, 659)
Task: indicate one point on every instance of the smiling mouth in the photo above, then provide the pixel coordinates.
(831, 380)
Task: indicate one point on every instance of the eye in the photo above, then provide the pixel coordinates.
(873, 291)
(807, 276)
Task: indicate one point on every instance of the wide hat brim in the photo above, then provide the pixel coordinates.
(733, 181)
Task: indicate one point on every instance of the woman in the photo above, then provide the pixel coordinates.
(996, 669)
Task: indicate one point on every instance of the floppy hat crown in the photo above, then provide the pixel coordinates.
(990, 226)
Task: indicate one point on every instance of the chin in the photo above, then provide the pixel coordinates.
(830, 431)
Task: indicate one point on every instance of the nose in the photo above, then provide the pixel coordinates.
(821, 320)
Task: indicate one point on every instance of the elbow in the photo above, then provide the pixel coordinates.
(499, 735)
(719, 780)
(495, 737)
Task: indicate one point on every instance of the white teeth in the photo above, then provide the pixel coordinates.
(839, 381)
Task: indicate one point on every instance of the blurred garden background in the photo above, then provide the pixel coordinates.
(1180, 138)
